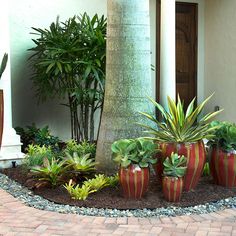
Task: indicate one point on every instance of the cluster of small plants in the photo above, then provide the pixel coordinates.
(95, 184)
(37, 136)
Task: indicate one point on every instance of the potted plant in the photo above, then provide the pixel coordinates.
(134, 157)
(222, 154)
(182, 132)
(172, 181)
(2, 69)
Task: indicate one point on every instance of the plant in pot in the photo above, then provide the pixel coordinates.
(222, 154)
(182, 132)
(172, 181)
(134, 156)
(2, 69)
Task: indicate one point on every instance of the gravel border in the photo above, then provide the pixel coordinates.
(32, 200)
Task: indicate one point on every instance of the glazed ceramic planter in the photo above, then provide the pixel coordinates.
(134, 181)
(172, 188)
(1, 115)
(223, 167)
(196, 157)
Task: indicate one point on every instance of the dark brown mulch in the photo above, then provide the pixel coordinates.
(205, 192)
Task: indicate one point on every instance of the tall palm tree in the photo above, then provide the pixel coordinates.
(128, 75)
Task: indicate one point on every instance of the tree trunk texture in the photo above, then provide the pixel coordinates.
(128, 76)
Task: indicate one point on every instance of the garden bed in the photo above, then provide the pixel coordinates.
(111, 198)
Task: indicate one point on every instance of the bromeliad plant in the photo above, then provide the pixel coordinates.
(90, 186)
(51, 171)
(81, 149)
(138, 151)
(175, 166)
(80, 164)
(180, 126)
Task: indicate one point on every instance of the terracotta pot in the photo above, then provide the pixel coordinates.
(172, 188)
(196, 157)
(223, 167)
(134, 181)
(1, 115)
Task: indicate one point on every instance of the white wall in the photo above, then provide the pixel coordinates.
(220, 69)
(25, 14)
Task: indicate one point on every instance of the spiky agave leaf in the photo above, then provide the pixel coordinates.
(180, 126)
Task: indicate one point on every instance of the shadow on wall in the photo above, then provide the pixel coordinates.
(25, 106)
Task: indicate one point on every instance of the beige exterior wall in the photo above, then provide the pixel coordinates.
(25, 14)
(220, 55)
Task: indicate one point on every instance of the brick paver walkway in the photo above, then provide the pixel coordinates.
(18, 219)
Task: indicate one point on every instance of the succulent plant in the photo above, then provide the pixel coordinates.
(175, 165)
(138, 151)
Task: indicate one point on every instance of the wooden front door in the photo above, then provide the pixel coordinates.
(186, 51)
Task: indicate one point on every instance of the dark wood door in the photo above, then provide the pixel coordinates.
(186, 51)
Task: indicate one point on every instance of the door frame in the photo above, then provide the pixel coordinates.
(158, 37)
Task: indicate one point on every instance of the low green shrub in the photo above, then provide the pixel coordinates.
(36, 154)
(50, 172)
(90, 186)
(33, 135)
(79, 164)
(82, 148)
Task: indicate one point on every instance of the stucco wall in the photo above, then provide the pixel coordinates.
(220, 55)
(25, 14)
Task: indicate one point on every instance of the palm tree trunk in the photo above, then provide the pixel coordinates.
(128, 76)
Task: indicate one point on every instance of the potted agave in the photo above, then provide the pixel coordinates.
(2, 69)
(183, 133)
(172, 180)
(134, 156)
(222, 154)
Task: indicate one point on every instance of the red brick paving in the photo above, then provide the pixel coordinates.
(18, 219)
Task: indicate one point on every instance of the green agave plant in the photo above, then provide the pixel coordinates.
(175, 166)
(178, 125)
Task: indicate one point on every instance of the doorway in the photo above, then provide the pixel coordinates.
(186, 50)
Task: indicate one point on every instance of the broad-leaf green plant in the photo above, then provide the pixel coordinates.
(175, 165)
(180, 126)
(51, 171)
(81, 149)
(224, 135)
(80, 164)
(76, 192)
(90, 186)
(36, 154)
(138, 151)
